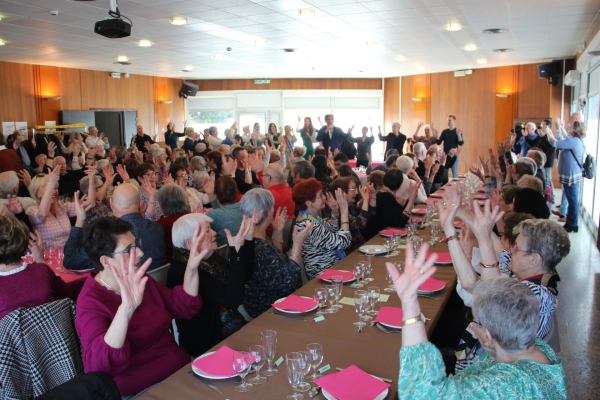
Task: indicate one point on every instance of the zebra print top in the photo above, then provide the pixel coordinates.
(319, 249)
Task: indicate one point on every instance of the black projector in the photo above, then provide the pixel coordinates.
(113, 28)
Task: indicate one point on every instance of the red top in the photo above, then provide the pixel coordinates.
(167, 224)
(9, 161)
(283, 198)
(31, 287)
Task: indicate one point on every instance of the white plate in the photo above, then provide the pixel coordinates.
(294, 312)
(341, 270)
(390, 326)
(430, 291)
(373, 249)
(208, 376)
(381, 396)
(402, 233)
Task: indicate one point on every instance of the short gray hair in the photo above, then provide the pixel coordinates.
(509, 310)
(199, 163)
(419, 148)
(212, 129)
(546, 238)
(530, 124)
(9, 180)
(229, 133)
(200, 147)
(397, 124)
(84, 183)
(172, 199)
(305, 169)
(404, 164)
(199, 178)
(525, 166)
(101, 164)
(259, 200)
(157, 152)
(538, 157)
(532, 182)
(185, 226)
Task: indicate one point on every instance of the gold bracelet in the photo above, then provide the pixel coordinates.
(494, 265)
(412, 320)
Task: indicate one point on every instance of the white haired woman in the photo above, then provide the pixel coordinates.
(427, 139)
(275, 274)
(173, 202)
(221, 282)
(515, 364)
(411, 178)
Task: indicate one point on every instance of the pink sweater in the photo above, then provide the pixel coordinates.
(34, 286)
(150, 353)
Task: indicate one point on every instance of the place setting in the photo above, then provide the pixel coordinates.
(389, 319)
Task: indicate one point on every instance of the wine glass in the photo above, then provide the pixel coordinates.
(390, 286)
(316, 358)
(387, 243)
(258, 354)
(374, 293)
(60, 254)
(367, 307)
(242, 362)
(360, 300)
(358, 273)
(368, 267)
(269, 341)
(435, 228)
(320, 296)
(294, 368)
(417, 242)
(331, 294)
(303, 386)
(338, 282)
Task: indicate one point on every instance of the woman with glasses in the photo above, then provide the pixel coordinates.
(124, 316)
(180, 177)
(515, 363)
(147, 178)
(328, 238)
(358, 215)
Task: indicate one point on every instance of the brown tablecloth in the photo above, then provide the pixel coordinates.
(372, 350)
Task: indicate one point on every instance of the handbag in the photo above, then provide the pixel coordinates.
(588, 169)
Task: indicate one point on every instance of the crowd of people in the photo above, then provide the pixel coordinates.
(240, 218)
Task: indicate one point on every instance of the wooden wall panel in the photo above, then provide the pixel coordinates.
(507, 81)
(99, 90)
(534, 93)
(70, 89)
(18, 93)
(292, 84)
(391, 102)
(46, 85)
(167, 89)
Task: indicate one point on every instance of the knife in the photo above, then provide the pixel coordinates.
(378, 377)
(207, 383)
(287, 316)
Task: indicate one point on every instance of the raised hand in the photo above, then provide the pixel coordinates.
(237, 241)
(53, 177)
(51, 149)
(14, 205)
(279, 219)
(132, 282)
(484, 166)
(209, 184)
(332, 203)
(452, 196)
(416, 272)
(484, 221)
(428, 162)
(475, 170)
(341, 200)
(25, 177)
(299, 236)
(196, 252)
(495, 197)
(123, 173)
(364, 192)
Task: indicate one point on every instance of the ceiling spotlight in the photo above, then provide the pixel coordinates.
(494, 31)
(178, 21)
(260, 42)
(502, 50)
(237, 74)
(122, 59)
(470, 47)
(269, 66)
(400, 58)
(371, 44)
(144, 43)
(481, 61)
(307, 12)
(188, 68)
(218, 56)
(453, 27)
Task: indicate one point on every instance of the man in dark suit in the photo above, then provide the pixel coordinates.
(394, 139)
(330, 136)
(25, 149)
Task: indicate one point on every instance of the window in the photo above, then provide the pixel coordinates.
(249, 119)
(200, 120)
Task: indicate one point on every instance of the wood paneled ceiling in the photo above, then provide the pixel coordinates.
(332, 43)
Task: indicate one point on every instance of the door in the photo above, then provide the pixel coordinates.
(130, 126)
(111, 123)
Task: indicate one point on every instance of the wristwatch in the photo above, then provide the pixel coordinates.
(414, 320)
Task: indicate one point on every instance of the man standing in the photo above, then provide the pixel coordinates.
(94, 139)
(245, 178)
(452, 138)
(141, 139)
(330, 136)
(172, 137)
(25, 149)
(394, 139)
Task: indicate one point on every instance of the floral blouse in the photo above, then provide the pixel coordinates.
(275, 276)
(158, 212)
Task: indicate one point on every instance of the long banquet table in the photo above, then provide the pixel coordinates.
(372, 350)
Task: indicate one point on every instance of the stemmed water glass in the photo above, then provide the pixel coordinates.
(359, 270)
(416, 243)
(435, 228)
(258, 354)
(331, 294)
(360, 302)
(387, 243)
(304, 386)
(242, 362)
(60, 254)
(316, 358)
(390, 281)
(374, 293)
(338, 282)
(320, 296)
(269, 341)
(294, 367)
(368, 267)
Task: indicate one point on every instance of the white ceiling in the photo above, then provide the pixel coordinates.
(330, 44)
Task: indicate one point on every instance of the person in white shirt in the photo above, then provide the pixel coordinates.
(94, 139)
(213, 137)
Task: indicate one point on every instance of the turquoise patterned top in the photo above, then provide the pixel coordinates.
(423, 376)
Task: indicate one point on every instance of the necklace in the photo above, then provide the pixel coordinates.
(108, 286)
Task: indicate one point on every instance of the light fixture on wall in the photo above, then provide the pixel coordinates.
(53, 98)
(502, 95)
(453, 27)
(144, 43)
(417, 99)
(178, 21)
(166, 102)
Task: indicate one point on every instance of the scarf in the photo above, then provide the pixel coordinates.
(215, 265)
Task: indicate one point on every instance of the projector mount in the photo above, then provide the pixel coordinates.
(115, 13)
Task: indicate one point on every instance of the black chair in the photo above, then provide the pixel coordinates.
(90, 386)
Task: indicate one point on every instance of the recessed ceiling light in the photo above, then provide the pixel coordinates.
(494, 31)
(470, 47)
(417, 99)
(260, 42)
(453, 27)
(144, 43)
(218, 56)
(481, 61)
(188, 67)
(178, 20)
(237, 74)
(502, 50)
(371, 44)
(400, 58)
(269, 66)
(307, 12)
(362, 70)
(122, 58)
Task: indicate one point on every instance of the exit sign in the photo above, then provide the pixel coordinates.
(261, 81)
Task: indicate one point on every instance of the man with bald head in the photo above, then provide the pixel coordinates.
(141, 138)
(125, 204)
(273, 181)
(68, 181)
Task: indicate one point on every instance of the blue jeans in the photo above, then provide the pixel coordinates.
(572, 193)
(564, 203)
(454, 169)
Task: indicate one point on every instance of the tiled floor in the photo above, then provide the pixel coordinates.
(579, 316)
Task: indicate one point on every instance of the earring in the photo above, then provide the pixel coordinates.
(485, 343)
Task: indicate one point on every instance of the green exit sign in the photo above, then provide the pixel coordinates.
(261, 81)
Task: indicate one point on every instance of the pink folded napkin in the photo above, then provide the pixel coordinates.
(352, 383)
(431, 201)
(220, 363)
(295, 303)
(436, 194)
(419, 211)
(330, 273)
(392, 232)
(459, 224)
(443, 258)
(416, 219)
(390, 316)
(479, 196)
(432, 284)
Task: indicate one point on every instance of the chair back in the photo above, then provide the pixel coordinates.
(552, 337)
(160, 274)
(92, 386)
(287, 234)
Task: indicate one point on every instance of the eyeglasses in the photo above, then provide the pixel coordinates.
(513, 249)
(471, 318)
(126, 250)
(150, 174)
(270, 177)
(183, 176)
(352, 189)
